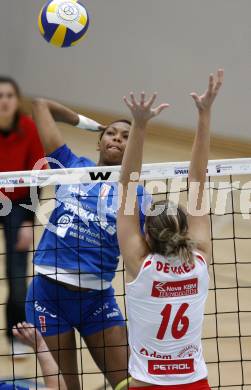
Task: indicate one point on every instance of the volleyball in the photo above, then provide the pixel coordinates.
(63, 23)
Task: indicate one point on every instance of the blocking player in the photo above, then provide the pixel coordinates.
(76, 262)
(167, 274)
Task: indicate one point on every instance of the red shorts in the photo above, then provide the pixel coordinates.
(200, 385)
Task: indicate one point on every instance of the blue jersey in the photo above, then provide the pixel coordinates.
(81, 233)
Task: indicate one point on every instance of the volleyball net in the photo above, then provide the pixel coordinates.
(227, 325)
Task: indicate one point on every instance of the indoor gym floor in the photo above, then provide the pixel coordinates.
(161, 150)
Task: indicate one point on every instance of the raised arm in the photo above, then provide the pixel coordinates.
(133, 247)
(199, 226)
(47, 112)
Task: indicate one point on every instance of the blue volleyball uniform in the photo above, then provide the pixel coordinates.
(8, 386)
(53, 308)
(81, 236)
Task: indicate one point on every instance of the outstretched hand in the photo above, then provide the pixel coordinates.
(205, 101)
(143, 111)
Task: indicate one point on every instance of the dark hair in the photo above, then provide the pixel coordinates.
(112, 123)
(14, 84)
(168, 232)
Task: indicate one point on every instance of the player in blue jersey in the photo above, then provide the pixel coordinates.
(77, 256)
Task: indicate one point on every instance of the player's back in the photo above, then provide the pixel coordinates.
(165, 307)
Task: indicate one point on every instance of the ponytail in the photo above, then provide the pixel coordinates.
(168, 234)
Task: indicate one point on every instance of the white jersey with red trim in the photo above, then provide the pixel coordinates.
(165, 307)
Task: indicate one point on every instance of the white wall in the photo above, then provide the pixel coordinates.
(164, 45)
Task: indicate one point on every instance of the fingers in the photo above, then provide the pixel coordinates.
(205, 101)
(160, 108)
(216, 82)
(129, 104)
(211, 83)
(221, 75)
(133, 100)
(151, 100)
(28, 334)
(219, 82)
(142, 99)
(133, 103)
(143, 103)
(195, 97)
(23, 330)
(17, 331)
(144, 109)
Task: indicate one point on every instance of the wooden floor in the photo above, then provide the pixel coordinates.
(228, 354)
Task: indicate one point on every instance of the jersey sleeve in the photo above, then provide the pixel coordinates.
(63, 157)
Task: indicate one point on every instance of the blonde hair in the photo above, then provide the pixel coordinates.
(168, 232)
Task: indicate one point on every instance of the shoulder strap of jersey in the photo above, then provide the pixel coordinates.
(147, 262)
(199, 257)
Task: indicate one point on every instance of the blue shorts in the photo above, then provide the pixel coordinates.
(54, 309)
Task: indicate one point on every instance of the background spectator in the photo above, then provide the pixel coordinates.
(20, 148)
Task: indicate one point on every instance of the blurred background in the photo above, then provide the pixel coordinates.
(164, 46)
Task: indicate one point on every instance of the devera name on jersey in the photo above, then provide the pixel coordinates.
(177, 270)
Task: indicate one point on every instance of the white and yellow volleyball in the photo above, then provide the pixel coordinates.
(63, 23)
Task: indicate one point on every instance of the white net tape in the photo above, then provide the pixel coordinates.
(111, 174)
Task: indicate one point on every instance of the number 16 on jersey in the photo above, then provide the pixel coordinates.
(180, 319)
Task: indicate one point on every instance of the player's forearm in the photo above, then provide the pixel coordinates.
(132, 160)
(50, 371)
(200, 149)
(49, 133)
(47, 112)
(61, 113)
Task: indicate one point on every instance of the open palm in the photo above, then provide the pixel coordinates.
(143, 110)
(205, 101)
